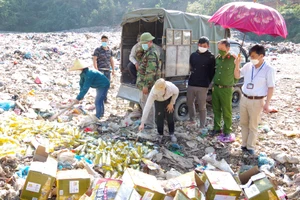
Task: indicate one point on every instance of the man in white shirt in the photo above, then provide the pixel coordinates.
(258, 87)
(135, 56)
(163, 94)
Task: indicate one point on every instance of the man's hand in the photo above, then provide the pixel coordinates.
(237, 60)
(266, 108)
(170, 108)
(141, 127)
(145, 90)
(137, 66)
(113, 72)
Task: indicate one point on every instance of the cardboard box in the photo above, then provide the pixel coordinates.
(72, 184)
(146, 185)
(220, 185)
(259, 187)
(127, 192)
(40, 179)
(180, 196)
(190, 179)
(41, 146)
(245, 176)
(194, 193)
(106, 189)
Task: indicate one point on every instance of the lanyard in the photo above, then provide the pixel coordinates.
(257, 72)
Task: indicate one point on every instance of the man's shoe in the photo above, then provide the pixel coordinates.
(251, 151)
(148, 127)
(215, 132)
(159, 139)
(226, 138)
(244, 148)
(173, 138)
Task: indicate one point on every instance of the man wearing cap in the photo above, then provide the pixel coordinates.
(90, 78)
(135, 58)
(163, 95)
(258, 87)
(148, 73)
(103, 59)
(202, 65)
(222, 92)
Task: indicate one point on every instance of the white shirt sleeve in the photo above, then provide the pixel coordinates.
(132, 54)
(244, 69)
(149, 103)
(175, 92)
(271, 77)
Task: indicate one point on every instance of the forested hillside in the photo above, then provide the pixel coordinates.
(56, 15)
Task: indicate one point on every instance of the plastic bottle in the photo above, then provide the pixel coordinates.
(45, 190)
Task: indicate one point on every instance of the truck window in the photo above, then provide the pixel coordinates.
(235, 50)
(178, 51)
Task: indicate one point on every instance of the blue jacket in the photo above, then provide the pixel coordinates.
(90, 78)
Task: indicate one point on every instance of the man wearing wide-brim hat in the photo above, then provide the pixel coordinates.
(148, 73)
(90, 78)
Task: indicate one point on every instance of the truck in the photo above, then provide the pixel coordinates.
(177, 33)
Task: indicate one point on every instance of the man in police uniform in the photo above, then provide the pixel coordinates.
(222, 92)
(148, 73)
(259, 82)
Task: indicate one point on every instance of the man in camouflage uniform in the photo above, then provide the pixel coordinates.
(148, 73)
(135, 57)
(222, 92)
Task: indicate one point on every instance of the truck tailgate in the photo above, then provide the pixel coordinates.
(129, 92)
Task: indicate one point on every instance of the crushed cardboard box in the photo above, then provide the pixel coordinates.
(39, 180)
(72, 184)
(146, 185)
(258, 187)
(220, 185)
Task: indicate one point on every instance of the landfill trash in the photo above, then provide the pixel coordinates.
(209, 150)
(284, 158)
(172, 173)
(49, 60)
(264, 160)
(6, 105)
(222, 165)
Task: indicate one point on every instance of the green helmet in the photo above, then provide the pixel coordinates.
(146, 37)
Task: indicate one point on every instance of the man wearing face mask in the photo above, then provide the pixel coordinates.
(148, 73)
(222, 92)
(258, 87)
(135, 57)
(103, 59)
(202, 66)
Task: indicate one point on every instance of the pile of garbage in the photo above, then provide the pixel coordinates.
(75, 156)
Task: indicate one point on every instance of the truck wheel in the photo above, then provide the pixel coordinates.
(236, 96)
(181, 112)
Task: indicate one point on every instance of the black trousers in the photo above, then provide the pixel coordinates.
(132, 71)
(161, 113)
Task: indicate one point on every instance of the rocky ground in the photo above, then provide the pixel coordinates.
(34, 72)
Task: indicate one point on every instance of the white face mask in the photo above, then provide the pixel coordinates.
(254, 61)
(202, 49)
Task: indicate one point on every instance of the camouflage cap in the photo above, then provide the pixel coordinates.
(146, 37)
